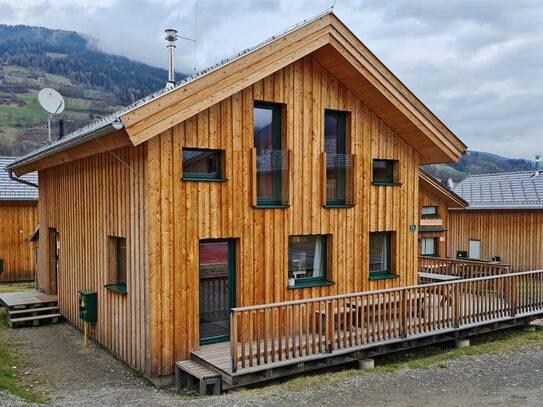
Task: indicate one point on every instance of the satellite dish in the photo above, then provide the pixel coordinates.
(51, 100)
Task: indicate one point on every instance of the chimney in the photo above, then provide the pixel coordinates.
(60, 129)
(537, 170)
(450, 183)
(171, 37)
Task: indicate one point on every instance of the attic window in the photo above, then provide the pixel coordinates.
(200, 164)
(429, 211)
(385, 172)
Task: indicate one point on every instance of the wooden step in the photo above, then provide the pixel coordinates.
(29, 310)
(196, 369)
(35, 319)
(187, 370)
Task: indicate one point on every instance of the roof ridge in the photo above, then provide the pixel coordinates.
(486, 174)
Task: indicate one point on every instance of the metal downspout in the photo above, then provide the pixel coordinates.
(19, 180)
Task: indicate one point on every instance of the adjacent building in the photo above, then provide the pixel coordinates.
(18, 219)
(435, 200)
(503, 221)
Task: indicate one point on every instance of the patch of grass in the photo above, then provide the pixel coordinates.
(16, 287)
(512, 340)
(11, 379)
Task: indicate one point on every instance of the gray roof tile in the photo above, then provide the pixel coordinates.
(15, 191)
(508, 190)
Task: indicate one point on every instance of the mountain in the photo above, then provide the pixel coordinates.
(92, 82)
(477, 162)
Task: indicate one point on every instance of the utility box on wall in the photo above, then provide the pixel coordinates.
(88, 307)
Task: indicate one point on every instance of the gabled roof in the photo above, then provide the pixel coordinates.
(330, 42)
(453, 199)
(508, 190)
(15, 191)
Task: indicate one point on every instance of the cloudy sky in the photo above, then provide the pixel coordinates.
(477, 64)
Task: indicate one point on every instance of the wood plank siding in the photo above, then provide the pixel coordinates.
(17, 221)
(181, 213)
(87, 200)
(514, 235)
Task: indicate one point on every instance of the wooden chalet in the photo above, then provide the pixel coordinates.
(18, 219)
(256, 220)
(503, 221)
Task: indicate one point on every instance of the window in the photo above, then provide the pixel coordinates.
(116, 264)
(307, 261)
(429, 211)
(271, 160)
(381, 258)
(429, 246)
(385, 172)
(337, 161)
(475, 249)
(202, 164)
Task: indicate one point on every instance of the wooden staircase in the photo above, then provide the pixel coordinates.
(30, 308)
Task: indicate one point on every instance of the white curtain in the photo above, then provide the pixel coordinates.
(317, 261)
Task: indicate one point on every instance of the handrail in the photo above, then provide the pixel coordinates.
(291, 330)
(469, 261)
(382, 291)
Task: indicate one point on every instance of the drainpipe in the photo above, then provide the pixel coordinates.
(13, 177)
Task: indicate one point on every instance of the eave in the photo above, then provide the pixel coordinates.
(454, 200)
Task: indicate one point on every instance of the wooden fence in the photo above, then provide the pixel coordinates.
(462, 268)
(296, 330)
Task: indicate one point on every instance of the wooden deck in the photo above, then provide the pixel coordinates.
(276, 340)
(30, 307)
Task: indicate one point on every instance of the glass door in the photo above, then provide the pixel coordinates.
(217, 289)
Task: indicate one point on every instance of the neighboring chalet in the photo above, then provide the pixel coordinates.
(504, 219)
(18, 219)
(435, 200)
(288, 172)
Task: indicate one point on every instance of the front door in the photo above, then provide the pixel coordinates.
(217, 289)
(54, 251)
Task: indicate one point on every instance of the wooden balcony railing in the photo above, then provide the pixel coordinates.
(462, 268)
(295, 330)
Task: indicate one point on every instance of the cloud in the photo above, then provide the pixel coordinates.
(476, 64)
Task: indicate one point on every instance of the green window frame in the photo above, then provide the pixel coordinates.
(273, 156)
(435, 242)
(117, 265)
(386, 258)
(336, 158)
(216, 164)
(300, 260)
(388, 167)
(429, 211)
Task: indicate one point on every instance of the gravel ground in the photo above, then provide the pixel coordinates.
(71, 376)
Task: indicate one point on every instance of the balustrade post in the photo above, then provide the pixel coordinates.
(233, 341)
(457, 305)
(404, 316)
(330, 326)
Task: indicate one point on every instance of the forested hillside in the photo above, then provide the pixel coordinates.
(93, 83)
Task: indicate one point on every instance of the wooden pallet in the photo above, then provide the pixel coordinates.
(30, 308)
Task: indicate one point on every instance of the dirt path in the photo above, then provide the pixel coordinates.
(71, 376)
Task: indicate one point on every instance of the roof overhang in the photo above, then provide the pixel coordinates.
(454, 200)
(341, 53)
